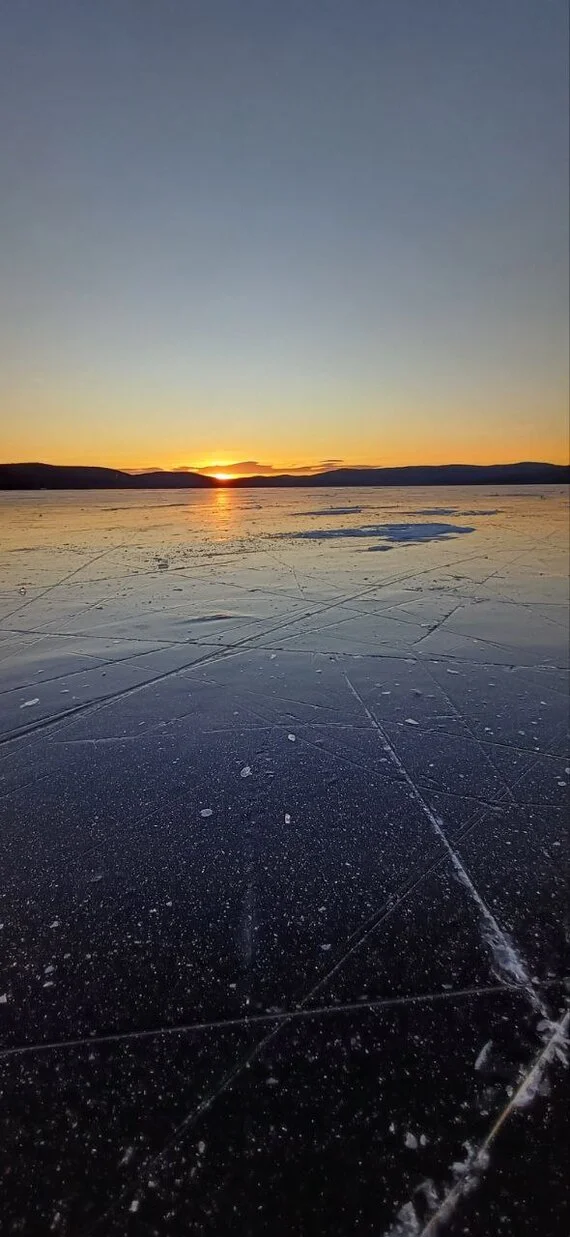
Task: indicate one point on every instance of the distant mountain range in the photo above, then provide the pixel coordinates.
(64, 477)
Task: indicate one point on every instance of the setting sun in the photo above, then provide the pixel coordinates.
(222, 476)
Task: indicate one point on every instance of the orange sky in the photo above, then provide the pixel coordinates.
(138, 430)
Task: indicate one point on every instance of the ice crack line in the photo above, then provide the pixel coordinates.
(471, 1171)
(508, 961)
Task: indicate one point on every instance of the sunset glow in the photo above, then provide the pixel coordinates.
(254, 240)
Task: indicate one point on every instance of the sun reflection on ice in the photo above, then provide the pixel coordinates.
(222, 509)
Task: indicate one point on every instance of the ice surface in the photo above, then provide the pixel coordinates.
(284, 861)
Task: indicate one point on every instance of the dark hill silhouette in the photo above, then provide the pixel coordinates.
(68, 477)
(425, 474)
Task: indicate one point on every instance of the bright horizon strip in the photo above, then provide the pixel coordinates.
(88, 431)
(221, 473)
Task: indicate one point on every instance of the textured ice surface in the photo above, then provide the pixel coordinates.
(283, 914)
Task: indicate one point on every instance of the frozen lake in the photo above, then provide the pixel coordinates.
(284, 910)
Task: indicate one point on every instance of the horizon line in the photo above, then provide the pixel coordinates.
(223, 472)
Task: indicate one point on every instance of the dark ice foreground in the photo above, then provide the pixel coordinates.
(284, 852)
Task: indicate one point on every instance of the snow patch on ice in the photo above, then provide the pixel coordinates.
(389, 532)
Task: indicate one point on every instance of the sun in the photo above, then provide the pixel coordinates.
(222, 476)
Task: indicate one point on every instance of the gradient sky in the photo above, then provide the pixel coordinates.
(283, 231)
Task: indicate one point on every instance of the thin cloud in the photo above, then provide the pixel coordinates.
(253, 468)
(248, 468)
